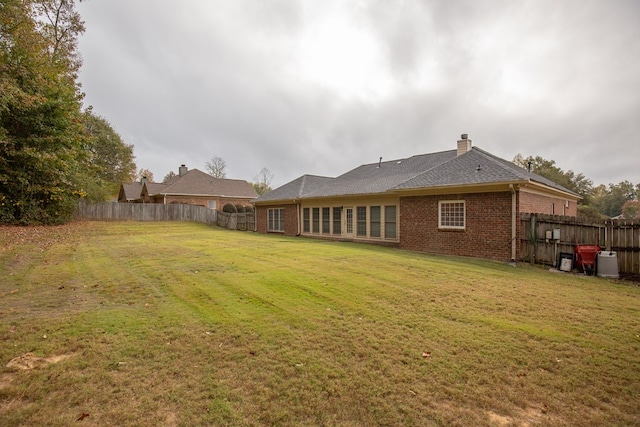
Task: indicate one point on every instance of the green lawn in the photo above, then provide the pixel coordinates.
(186, 324)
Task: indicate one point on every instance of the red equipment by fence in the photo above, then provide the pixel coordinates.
(586, 258)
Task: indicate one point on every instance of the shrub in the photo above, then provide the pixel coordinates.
(229, 208)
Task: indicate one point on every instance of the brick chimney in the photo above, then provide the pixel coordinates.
(182, 170)
(464, 144)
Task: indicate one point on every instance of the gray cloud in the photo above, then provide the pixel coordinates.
(308, 87)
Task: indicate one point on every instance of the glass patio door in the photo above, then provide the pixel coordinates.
(348, 222)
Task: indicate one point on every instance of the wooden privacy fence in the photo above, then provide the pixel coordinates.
(146, 212)
(538, 244)
(244, 221)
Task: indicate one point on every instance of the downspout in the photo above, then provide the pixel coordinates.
(513, 223)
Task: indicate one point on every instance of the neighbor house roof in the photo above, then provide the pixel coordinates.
(198, 183)
(130, 191)
(425, 171)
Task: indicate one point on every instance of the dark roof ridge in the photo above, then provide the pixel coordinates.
(402, 159)
(522, 172)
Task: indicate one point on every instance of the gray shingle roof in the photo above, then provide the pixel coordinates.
(196, 182)
(154, 188)
(296, 189)
(474, 167)
(433, 170)
(132, 191)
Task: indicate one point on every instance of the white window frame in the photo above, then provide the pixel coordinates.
(446, 216)
(275, 220)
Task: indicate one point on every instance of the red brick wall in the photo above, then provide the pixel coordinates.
(536, 203)
(487, 233)
(290, 219)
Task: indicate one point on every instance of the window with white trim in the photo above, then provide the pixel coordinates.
(451, 214)
(337, 220)
(275, 220)
(315, 223)
(306, 220)
(374, 221)
(361, 221)
(326, 220)
(390, 222)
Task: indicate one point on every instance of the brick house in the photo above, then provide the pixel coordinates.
(458, 202)
(192, 187)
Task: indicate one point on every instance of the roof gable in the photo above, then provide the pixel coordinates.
(130, 191)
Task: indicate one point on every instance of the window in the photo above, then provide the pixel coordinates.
(374, 224)
(361, 221)
(211, 204)
(316, 220)
(451, 214)
(390, 222)
(326, 220)
(275, 220)
(306, 226)
(337, 221)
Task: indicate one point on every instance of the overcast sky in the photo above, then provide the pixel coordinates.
(320, 87)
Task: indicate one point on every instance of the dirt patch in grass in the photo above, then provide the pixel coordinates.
(531, 416)
(31, 361)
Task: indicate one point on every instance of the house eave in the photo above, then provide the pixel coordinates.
(201, 195)
(487, 188)
(465, 188)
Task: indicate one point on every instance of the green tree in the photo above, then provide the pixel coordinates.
(108, 161)
(41, 131)
(631, 209)
(575, 182)
(610, 200)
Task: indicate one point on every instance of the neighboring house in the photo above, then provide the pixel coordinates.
(192, 187)
(131, 193)
(459, 202)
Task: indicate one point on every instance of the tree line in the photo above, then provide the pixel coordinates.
(53, 152)
(597, 203)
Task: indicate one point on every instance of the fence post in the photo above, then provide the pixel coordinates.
(533, 238)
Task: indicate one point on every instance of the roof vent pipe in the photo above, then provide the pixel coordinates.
(380, 162)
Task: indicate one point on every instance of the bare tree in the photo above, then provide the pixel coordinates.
(169, 176)
(216, 167)
(262, 182)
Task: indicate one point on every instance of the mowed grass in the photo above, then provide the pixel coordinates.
(185, 324)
